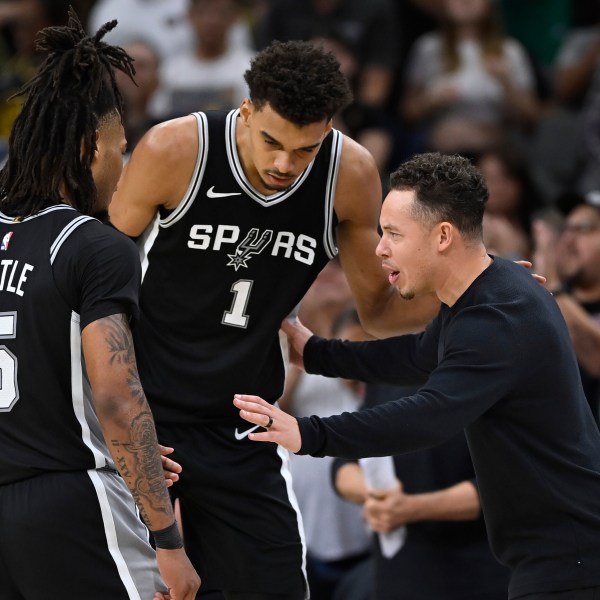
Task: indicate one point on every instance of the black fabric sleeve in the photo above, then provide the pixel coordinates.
(474, 373)
(406, 359)
(104, 265)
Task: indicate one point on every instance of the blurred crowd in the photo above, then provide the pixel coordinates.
(515, 85)
(512, 84)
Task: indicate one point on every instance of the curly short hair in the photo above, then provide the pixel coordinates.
(299, 80)
(447, 188)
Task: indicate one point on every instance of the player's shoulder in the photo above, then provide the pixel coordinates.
(357, 155)
(170, 140)
(357, 165)
(94, 236)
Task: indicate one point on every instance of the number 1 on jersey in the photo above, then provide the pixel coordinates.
(236, 316)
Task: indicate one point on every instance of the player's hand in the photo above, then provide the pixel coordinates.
(171, 468)
(178, 573)
(527, 264)
(297, 335)
(281, 428)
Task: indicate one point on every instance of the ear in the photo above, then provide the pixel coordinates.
(445, 235)
(328, 127)
(246, 109)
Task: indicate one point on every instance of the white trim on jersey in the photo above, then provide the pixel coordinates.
(334, 169)
(238, 172)
(287, 477)
(65, 233)
(78, 395)
(111, 536)
(146, 241)
(10, 220)
(197, 176)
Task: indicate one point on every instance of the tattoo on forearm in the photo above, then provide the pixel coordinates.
(118, 338)
(140, 465)
(120, 344)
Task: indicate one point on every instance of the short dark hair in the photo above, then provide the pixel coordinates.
(299, 80)
(447, 188)
(53, 140)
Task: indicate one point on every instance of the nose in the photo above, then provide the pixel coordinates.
(283, 162)
(382, 250)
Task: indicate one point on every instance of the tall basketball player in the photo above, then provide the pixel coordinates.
(238, 212)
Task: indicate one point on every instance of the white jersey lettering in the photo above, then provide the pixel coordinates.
(10, 285)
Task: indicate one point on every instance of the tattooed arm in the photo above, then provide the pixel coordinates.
(130, 435)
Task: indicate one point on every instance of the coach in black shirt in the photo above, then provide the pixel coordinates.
(497, 362)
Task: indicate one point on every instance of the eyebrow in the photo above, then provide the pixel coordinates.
(272, 139)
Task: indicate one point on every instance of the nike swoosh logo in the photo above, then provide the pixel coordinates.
(212, 194)
(240, 435)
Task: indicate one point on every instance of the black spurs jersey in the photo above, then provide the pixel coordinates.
(221, 271)
(59, 271)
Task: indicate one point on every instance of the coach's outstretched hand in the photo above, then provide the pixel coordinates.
(281, 428)
(297, 335)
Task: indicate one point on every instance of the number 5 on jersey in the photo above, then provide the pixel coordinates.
(9, 390)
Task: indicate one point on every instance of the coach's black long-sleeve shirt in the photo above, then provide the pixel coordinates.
(499, 363)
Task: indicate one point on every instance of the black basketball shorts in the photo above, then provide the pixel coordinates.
(241, 524)
(74, 535)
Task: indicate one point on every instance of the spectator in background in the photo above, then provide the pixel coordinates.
(577, 92)
(366, 124)
(570, 259)
(471, 71)
(577, 66)
(163, 24)
(210, 77)
(137, 96)
(512, 201)
(21, 20)
(445, 555)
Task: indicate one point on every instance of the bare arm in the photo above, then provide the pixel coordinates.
(128, 428)
(358, 201)
(520, 102)
(157, 174)
(572, 81)
(585, 333)
(386, 510)
(419, 102)
(350, 483)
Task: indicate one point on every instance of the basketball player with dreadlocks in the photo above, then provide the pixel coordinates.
(75, 428)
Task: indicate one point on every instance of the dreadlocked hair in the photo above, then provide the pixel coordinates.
(53, 140)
